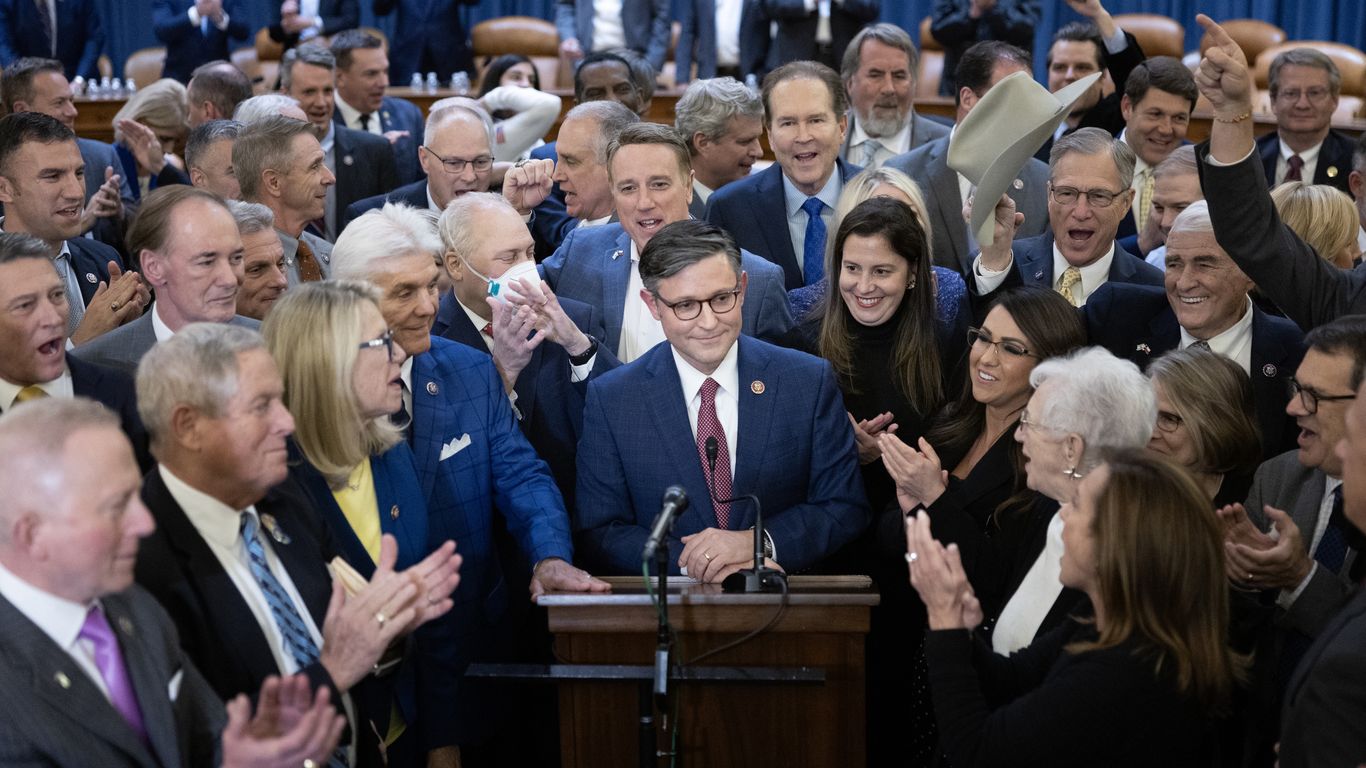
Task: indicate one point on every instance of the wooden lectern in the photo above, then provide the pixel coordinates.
(792, 696)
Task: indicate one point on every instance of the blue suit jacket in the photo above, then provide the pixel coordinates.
(645, 24)
(414, 194)
(426, 32)
(397, 114)
(186, 45)
(550, 403)
(794, 451)
(754, 211)
(79, 36)
(460, 411)
(90, 262)
(1136, 322)
(594, 267)
(1034, 266)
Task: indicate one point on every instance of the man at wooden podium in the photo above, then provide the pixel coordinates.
(721, 416)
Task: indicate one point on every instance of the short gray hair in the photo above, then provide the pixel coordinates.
(1106, 400)
(459, 225)
(258, 108)
(610, 116)
(195, 367)
(251, 217)
(1181, 161)
(1095, 141)
(708, 106)
(311, 54)
(382, 235)
(33, 438)
(887, 34)
(17, 245)
(1303, 57)
(457, 108)
(205, 136)
(266, 143)
(1195, 218)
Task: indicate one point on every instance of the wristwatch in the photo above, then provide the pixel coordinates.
(582, 359)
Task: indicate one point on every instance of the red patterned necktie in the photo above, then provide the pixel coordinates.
(708, 426)
(1295, 163)
(487, 330)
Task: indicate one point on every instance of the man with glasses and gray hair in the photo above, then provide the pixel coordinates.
(1090, 172)
(1305, 85)
(688, 398)
(457, 158)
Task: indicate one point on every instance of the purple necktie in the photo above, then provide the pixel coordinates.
(110, 663)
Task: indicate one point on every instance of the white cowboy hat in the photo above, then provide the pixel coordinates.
(1000, 134)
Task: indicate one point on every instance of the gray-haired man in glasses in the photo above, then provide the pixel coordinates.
(1090, 173)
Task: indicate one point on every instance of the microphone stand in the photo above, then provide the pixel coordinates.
(760, 578)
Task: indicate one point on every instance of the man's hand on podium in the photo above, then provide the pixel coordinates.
(713, 554)
(555, 575)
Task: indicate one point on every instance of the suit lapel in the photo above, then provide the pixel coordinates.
(149, 682)
(429, 421)
(1165, 332)
(1268, 371)
(616, 279)
(67, 688)
(664, 393)
(313, 584)
(770, 213)
(1351, 612)
(947, 202)
(1036, 263)
(760, 389)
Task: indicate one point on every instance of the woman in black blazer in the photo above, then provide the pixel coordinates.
(1139, 682)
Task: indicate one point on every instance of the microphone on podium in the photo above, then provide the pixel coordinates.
(760, 578)
(674, 503)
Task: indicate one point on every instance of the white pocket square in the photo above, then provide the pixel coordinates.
(173, 688)
(455, 446)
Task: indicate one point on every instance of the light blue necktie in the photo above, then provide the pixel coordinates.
(813, 247)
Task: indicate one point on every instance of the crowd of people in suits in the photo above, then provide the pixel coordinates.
(293, 423)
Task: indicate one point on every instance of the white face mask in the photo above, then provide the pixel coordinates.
(501, 287)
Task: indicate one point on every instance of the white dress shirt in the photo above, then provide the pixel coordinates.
(727, 375)
(728, 32)
(1235, 342)
(1309, 156)
(159, 326)
(220, 526)
(797, 218)
(58, 618)
(640, 331)
(608, 32)
(351, 117)
(1025, 611)
(58, 387)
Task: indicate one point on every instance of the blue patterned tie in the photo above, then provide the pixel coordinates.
(813, 248)
(1331, 552)
(292, 628)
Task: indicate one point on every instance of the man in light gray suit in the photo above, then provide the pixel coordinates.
(643, 27)
(186, 240)
(93, 672)
(878, 71)
(980, 68)
(1313, 554)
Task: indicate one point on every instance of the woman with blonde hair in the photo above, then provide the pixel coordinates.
(1140, 681)
(146, 132)
(1206, 421)
(1324, 217)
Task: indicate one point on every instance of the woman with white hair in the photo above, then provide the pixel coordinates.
(1085, 406)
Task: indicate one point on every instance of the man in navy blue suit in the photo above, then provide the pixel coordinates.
(1206, 303)
(1157, 103)
(362, 78)
(196, 32)
(545, 347)
(457, 158)
(721, 415)
(1305, 85)
(471, 457)
(784, 213)
(651, 184)
(1088, 194)
(79, 38)
(33, 358)
(42, 185)
(428, 37)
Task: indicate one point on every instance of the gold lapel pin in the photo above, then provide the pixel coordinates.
(126, 625)
(1332, 171)
(62, 679)
(757, 387)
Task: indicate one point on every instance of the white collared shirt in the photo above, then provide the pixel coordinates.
(308, 9)
(478, 323)
(1309, 156)
(1025, 611)
(728, 32)
(1141, 172)
(608, 31)
(431, 201)
(797, 218)
(58, 387)
(1287, 597)
(405, 374)
(351, 117)
(221, 528)
(594, 222)
(329, 145)
(1235, 342)
(58, 618)
(727, 375)
(159, 326)
(640, 331)
(896, 144)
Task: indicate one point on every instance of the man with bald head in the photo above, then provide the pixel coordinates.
(214, 91)
(187, 243)
(457, 158)
(115, 688)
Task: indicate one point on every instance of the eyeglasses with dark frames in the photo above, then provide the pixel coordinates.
(386, 341)
(1310, 397)
(457, 164)
(1008, 346)
(689, 309)
(1097, 198)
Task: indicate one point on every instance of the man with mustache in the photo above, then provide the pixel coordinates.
(879, 71)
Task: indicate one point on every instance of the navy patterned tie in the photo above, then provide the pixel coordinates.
(813, 247)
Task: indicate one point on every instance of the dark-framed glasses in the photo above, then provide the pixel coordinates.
(1097, 198)
(1310, 397)
(1008, 346)
(386, 341)
(457, 164)
(689, 309)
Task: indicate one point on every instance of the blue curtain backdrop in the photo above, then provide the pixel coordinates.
(128, 27)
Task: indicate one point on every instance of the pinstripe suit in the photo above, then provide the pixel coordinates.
(47, 722)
